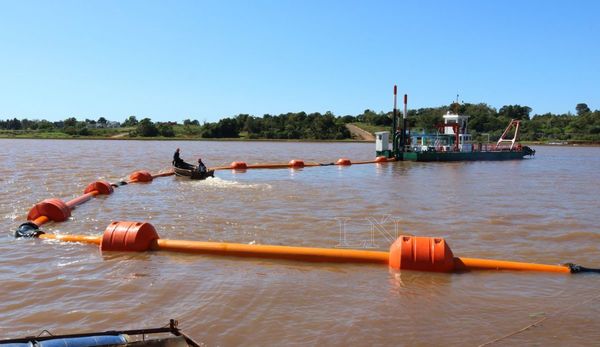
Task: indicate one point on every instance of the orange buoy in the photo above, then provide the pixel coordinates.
(141, 176)
(239, 165)
(381, 159)
(422, 254)
(343, 162)
(128, 236)
(296, 163)
(53, 209)
(102, 187)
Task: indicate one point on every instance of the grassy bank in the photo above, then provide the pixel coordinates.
(123, 134)
(32, 134)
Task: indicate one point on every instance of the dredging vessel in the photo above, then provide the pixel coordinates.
(451, 142)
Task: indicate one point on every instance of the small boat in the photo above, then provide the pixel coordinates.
(192, 172)
(167, 336)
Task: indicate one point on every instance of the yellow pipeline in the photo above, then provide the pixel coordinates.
(269, 251)
(372, 161)
(164, 174)
(289, 165)
(39, 221)
(468, 264)
(309, 254)
(73, 238)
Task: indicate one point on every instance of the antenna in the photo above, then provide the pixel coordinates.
(455, 105)
(395, 94)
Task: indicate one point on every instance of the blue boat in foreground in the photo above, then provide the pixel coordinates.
(167, 336)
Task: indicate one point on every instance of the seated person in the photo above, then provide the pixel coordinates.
(177, 161)
(180, 163)
(201, 166)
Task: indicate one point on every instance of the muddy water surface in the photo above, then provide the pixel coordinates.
(540, 210)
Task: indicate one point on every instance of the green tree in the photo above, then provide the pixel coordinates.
(226, 127)
(191, 122)
(146, 128)
(427, 118)
(130, 122)
(70, 122)
(582, 109)
(515, 112)
(45, 125)
(166, 130)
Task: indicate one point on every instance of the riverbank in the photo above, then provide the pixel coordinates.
(63, 136)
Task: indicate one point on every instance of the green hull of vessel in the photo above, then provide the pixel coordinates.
(462, 156)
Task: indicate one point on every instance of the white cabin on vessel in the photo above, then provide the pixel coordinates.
(382, 140)
(451, 121)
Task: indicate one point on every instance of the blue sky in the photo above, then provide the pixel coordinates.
(172, 60)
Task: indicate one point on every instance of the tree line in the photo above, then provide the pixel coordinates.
(584, 125)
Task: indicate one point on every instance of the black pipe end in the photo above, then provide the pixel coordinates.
(28, 230)
(579, 269)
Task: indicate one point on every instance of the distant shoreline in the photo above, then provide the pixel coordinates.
(159, 138)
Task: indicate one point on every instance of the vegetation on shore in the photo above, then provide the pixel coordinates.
(582, 127)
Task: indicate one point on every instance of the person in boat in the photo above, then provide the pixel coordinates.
(201, 167)
(177, 161)
(180, 163)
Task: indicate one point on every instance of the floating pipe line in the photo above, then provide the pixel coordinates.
(58, 211)
(296, 163)
(431, 254)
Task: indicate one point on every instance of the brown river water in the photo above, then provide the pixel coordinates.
(544, 210)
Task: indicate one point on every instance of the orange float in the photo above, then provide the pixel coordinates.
(295, 163)
(102, 187)
(52, 209)
(141, 176)
(421, 254)
(343, 162)
(238, 165)
(128, 236)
